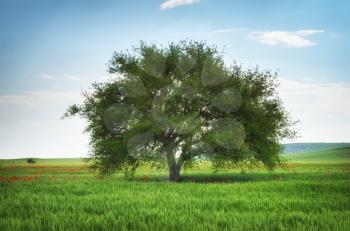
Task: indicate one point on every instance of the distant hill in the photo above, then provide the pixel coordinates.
(312, 147)
(338, 154)
(39, 161)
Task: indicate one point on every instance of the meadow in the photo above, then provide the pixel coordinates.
(311, 191)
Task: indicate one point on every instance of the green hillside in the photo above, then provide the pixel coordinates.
(333, 155)
(312, 147)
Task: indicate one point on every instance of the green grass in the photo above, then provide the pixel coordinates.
(333, 155)
(64, 196)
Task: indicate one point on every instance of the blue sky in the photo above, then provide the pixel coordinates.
(51, 50)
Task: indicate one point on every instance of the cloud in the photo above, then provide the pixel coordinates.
(67, 77)
(321, 107)
(31, 126)
(228, 30)
(168, 4)
(41, 98)
(46, 76)
(287, 38)
(73, 77)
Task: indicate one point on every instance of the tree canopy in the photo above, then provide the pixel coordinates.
(177, 103)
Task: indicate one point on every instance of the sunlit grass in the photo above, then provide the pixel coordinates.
(65, 196)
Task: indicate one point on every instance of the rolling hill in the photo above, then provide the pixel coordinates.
(333, 155)
(312, 147)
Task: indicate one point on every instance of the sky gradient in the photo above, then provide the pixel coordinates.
(52, 50)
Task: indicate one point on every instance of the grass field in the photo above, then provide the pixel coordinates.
(306, 193)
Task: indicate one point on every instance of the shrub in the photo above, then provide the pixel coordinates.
(31, 161)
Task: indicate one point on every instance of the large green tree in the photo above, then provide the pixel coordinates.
(174, 104)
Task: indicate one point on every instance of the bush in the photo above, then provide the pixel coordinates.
(31, 161)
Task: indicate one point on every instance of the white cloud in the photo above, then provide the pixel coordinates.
(31, 126)
(176, 3)
(46, 76)
(228, 30)
(67, 77)
(287, 38)
(321, 107)
(40, 98)
(73, 77)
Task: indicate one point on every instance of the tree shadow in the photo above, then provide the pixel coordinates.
(251, 176)
(214, 178)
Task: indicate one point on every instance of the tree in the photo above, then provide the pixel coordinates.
(31, 161)
(178, 103)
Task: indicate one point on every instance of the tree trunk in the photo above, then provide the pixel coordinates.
(174, 167)
(174, 173)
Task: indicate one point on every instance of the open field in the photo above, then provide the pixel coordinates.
(65, 195)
